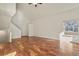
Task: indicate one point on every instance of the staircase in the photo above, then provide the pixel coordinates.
(15, 28)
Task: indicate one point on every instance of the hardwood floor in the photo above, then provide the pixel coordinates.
(35, 46)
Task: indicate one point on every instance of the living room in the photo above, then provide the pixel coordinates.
(35, 29)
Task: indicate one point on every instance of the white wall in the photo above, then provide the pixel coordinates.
(4, 19)
(25, 22)
(51, 26)
(15, 32)
(22, 22)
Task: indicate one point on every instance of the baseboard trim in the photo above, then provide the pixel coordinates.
(42, 37)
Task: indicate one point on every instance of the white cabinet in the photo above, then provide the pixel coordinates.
(65, 43)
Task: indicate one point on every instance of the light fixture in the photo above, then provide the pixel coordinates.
(35, 4)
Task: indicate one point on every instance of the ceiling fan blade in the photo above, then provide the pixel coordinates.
(30, 3)
(40, 3)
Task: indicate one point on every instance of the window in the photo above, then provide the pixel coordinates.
(71, 25)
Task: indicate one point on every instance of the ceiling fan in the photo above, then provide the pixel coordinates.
(35, 4)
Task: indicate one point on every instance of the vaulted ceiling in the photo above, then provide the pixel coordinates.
(45, 9)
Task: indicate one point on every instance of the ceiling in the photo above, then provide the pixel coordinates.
(44, 10)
